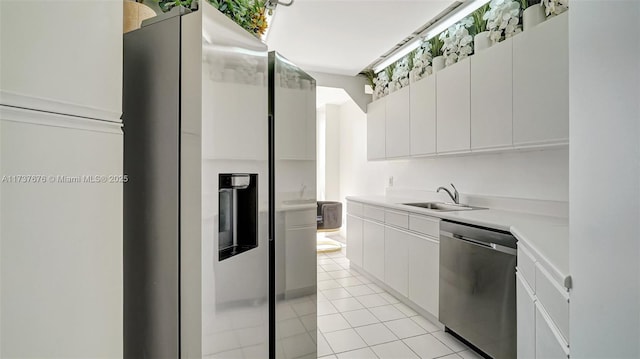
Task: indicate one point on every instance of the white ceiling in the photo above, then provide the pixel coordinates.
(344, 36)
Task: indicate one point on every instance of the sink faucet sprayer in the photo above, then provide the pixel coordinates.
(455, 196)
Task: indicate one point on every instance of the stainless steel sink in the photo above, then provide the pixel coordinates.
(443, 207)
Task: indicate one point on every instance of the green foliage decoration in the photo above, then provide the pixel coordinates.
(249, 14)
(479, 23)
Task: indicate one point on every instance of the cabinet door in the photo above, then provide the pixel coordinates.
(291, 123)
(396, 255)
(492, 97)
(354, 240)
(526, 320)
(300, 250)
(453, 108)
(424, 262)
(548, 342)
(423, 116)
(376, 118)
(541, 83)
(310, 141)
(373, 248)
(397, 124)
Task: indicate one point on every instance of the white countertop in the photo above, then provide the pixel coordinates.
(547, 236)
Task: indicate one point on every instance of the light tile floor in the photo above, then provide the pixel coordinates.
(358, 319)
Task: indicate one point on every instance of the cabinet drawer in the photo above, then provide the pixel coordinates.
(354, 208)
(426, 225)
(527, 265)
(554, 299)
(374, 213)
(396, 218)
(549, 343)
(526, 319)
(303, 218)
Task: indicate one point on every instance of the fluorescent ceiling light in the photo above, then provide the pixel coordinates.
(398, 54)
(458, 14)
(455, 17)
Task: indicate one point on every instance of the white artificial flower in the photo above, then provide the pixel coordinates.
(555, 7)
(421, 61)
(457, 41)
(503, 18)
(381, 82)
(400, 73)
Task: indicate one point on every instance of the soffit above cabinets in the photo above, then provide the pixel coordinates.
(345, 36)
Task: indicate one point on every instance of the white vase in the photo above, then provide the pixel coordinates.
(481, 41)
(392, 87)
(532, 16)
(438, 63)
(413, 76)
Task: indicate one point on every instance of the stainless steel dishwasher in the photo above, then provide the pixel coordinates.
(478, 287)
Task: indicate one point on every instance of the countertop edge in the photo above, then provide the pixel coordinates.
(562, 278)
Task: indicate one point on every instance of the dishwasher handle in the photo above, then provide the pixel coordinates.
(487, 245)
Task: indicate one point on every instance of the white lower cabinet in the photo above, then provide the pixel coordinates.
(549, 345)
(299, 251)
(526, 319)
(402, 252)
(373, 248)
(354, 239)
(396, 255)
(542, 310)
(424, 262)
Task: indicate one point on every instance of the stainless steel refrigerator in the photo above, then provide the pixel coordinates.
(219, 255)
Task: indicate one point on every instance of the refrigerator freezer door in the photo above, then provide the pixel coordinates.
(235, 287)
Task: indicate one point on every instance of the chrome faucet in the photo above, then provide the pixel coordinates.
(455, 196)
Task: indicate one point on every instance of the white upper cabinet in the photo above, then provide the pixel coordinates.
(492, 97)
(310, 141)
(292, 120)
(397, 124)
(453, 108)
(376, 118)
(541, 83)
(423, 116)
(514, 94)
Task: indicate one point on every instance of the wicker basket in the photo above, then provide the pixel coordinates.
(134, 13)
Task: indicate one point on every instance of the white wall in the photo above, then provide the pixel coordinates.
(321, 125)
(332, 153)
(531, 175)
(604, 64)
